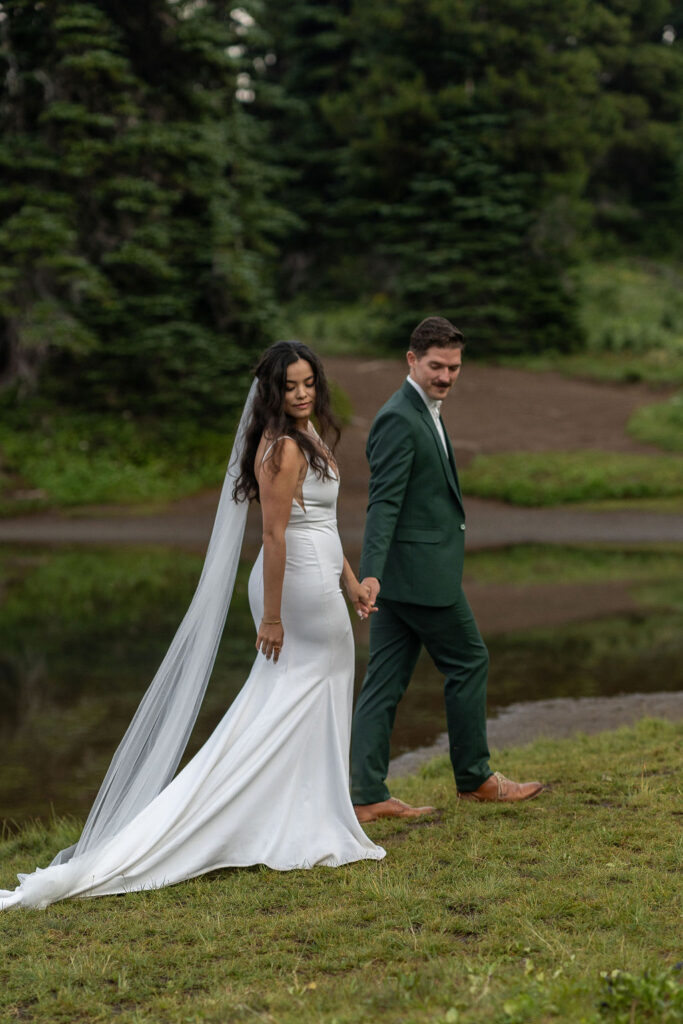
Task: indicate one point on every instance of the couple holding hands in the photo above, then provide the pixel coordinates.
(271, 784)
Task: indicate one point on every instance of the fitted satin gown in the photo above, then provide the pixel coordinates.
(271, 784)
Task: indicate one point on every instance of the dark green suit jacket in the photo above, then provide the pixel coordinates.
(414, 539)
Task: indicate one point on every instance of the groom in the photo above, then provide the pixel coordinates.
(413, 548)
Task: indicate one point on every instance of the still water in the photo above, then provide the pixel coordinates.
(82, 633)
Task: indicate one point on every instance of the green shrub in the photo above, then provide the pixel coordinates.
(339, 330)
(76, 458)
(66, 457)
(654, 996)
(631, 315)
(632, 305)
(660, 423)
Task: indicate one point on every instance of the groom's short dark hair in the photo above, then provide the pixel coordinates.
(435, 331)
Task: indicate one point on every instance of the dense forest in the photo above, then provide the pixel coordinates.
(174, 172)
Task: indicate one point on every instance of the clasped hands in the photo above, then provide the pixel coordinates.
(363, 596)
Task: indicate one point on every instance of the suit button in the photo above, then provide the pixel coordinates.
(462, 526)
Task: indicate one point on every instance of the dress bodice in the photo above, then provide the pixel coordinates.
(319, 498)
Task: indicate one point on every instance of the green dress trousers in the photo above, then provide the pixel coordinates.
(397, 633)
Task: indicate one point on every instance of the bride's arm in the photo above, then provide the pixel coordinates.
(359, 594)
(276, 491)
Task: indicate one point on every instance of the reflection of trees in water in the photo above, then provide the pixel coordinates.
(82, 634)
(635, 653)
(10, 694)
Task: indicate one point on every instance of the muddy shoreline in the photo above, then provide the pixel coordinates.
(522, 723)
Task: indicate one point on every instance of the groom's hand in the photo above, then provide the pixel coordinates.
(371, 583)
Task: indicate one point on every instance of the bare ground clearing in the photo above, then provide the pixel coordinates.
(493, 409)
(497, 409)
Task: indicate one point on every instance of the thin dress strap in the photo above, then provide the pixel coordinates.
(283, 437)
(331, 461)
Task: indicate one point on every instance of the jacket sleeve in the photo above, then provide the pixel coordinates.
(390, 451)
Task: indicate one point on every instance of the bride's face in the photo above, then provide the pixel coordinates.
(300, 392)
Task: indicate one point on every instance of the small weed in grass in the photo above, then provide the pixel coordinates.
(556, 478)
(655, 996)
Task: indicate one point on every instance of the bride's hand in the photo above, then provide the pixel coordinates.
(270, 639)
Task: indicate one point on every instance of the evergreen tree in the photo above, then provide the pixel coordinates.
(448, 186)
(454, 156)
(636, 184)
(135, 252)
(482, 152)
(310, 46)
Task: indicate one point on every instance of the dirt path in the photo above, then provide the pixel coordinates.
(496, 409)
(493, 409)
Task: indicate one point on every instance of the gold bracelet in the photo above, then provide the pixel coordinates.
(271, 622)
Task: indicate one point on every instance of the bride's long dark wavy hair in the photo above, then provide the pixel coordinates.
(268, 415)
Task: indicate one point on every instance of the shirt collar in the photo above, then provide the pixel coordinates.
(433, 404)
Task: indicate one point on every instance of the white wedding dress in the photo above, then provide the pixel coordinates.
(271, 784)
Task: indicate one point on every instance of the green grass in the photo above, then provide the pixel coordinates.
(560, 564)
(667, 506)
(660, 424)
(65, 458)
(356, 329)
(556, 478)
(631, 312)
(75, 458)
(485, 914)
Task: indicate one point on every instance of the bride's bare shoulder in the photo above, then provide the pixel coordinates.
(278, 453)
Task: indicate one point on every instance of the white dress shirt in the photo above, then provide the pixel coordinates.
(434, 406)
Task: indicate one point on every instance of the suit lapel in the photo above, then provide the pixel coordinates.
(447, 460)
(451, 461)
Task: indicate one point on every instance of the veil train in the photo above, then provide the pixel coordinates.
(150, 751)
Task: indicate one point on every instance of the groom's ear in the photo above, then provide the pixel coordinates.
(412, 358)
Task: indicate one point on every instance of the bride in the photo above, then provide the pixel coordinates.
(270, 786)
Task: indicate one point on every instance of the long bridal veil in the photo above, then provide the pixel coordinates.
(150, 751)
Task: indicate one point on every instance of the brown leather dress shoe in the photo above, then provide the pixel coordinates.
(391, 808)
(498, 789)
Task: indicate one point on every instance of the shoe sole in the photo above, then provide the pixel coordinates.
(381, 817)
(482, 800)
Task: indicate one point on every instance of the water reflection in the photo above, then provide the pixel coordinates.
(82, 633)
